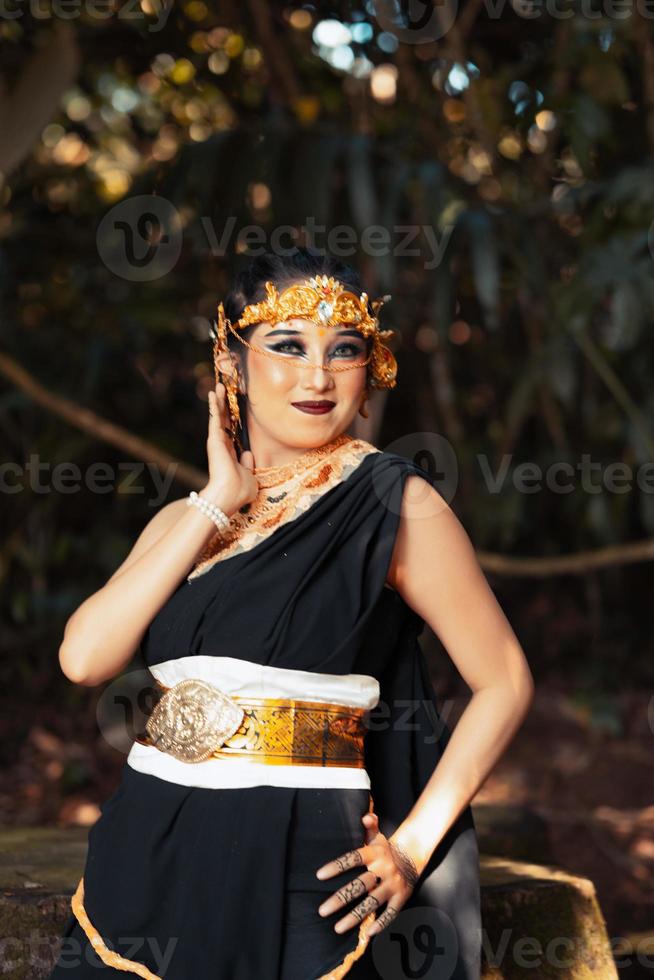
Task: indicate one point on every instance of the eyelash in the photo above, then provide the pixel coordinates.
(293, 343)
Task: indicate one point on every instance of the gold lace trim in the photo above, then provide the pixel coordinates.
(354, 954)
(279, 502)
(108, 956)
(114, 959)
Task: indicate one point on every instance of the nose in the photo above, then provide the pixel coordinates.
(317, 377)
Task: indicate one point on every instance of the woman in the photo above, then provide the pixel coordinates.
(269, 823)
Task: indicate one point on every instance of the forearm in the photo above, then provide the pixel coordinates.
(104, 632)
(485, 728)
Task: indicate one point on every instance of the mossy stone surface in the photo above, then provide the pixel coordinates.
(541, 921)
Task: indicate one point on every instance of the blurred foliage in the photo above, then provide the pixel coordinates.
(510, 161)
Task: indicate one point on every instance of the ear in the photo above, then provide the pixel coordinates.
(227, 363)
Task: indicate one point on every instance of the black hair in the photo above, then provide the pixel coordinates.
(248, 286)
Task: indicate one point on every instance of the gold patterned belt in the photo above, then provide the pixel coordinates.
(194, 721)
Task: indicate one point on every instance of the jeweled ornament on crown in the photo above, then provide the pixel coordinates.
(325, 310)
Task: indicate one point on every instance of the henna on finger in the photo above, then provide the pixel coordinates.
(347, 893)
(363, 908)
(352, 890)
(350, 860)
(387, 916)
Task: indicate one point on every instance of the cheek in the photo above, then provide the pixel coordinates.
(272, 377)
(351, 383)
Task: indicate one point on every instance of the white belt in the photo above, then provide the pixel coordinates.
(240, 677)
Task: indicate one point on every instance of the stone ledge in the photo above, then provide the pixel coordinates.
(526, 908)
(39, 871)
(542, 922)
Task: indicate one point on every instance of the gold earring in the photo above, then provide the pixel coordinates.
(362, 408)
(233, 383)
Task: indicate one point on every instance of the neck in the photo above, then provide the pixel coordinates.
(271, 455)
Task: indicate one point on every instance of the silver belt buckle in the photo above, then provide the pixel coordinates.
(192, 719)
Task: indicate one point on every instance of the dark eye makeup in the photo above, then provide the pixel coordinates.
(284, 345)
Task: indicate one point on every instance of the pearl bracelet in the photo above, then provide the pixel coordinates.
(214, 513)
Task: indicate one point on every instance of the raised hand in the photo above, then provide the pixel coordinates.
(232, 482)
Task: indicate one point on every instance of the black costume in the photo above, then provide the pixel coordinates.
(219, 883)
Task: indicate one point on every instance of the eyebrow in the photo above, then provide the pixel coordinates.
(341, 333)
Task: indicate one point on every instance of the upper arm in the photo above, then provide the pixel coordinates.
(435, 569)
(153, 530)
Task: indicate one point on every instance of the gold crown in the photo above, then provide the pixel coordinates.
(326, 302)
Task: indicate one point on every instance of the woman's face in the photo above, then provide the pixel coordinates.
(279, 388)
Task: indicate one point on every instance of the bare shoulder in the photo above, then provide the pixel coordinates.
(429, 534)
(421, 500)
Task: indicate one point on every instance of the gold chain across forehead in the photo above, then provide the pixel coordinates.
(326, 302)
